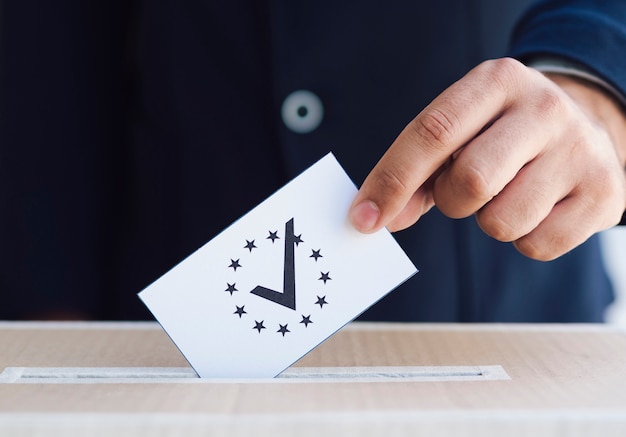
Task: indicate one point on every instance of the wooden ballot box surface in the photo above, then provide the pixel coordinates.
(128, 379)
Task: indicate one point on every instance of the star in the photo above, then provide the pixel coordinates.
(231, 288)
(283, 329)
(325, 277)
(250, 245)
(234, 264)
(258, 325)
(316, 254)
(240, 311)
(321, 301)
(297, 239)
(306, 320)
(273, 236)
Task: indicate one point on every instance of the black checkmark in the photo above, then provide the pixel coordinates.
(288, 297)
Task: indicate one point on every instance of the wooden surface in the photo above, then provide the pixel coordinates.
(564, 380)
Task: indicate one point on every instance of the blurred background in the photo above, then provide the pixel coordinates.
(614, 245)
(614, 252)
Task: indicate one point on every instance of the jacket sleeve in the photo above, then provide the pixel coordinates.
(586, 32)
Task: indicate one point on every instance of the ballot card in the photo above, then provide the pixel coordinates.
(278, 281)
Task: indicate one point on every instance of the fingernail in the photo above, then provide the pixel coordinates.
(364, 216)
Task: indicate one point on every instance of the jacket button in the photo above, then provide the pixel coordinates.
(302, 111)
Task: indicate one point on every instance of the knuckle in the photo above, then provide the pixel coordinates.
(390, 183)
(497, 226)
(463, 190)
(473, 182)
(602, 190)
(502, 72)
(436, 126)
(606, 187)
(527, 246)
(548, 103)
(605, 201)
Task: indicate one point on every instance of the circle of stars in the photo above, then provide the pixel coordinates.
(259, 326)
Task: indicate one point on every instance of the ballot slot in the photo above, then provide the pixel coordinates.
(129, 375)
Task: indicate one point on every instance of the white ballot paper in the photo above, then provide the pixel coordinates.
(277, 282)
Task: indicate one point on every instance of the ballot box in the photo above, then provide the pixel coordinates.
(129, 379)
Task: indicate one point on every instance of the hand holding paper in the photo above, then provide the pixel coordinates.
(277, 282)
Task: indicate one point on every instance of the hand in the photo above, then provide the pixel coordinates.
(538, 159)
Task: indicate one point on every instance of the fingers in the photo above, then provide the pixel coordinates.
(570, 223)
(595, 202)
(421, 201)
(485, 166)
(525, 202)
(539, 165)
(573, 188)
(556, 234)
(447, 124)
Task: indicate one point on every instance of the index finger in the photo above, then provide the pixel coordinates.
(429, 140)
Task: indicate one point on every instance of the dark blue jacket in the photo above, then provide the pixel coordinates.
(131, 133)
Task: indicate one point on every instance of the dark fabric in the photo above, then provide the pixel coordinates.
(131, 133)
(590, 33)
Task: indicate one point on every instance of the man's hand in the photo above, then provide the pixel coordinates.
(539, 160)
